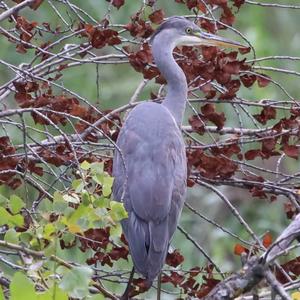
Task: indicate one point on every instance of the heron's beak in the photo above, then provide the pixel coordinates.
(208, 39)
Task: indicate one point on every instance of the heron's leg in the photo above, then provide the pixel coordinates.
(125, 295)
(158, 286)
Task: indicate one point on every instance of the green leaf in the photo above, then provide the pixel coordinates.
(7, 218)
(11, 236)
(21, 287)
(49, 229)
(26, 237)
(50, 249)
(86, 198)
(4, 216)
(3, 200)
(17, 220)
(96, 297)
(76, 281)
(78, 185)
(68, 238)
(116, 230)
(98, 178)
(59, 204)
(117, 212)
(15, 204)
(97, 167)
(46, 206)
(81, 211)
(101, 202)
(85, 165)
(107, 185)
(54, 293)
(1, 294)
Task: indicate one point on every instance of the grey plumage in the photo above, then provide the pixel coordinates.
(152, 184)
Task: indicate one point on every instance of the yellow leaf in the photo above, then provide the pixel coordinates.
(74, 228)
(296, 296)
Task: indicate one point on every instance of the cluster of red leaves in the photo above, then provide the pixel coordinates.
(27, 32)
(290, 210)
(227, 16)
(117, 3)
(212, 167)
(98, 240)
(267, 113)
(59, 107)
(240, 249)
(99, 38)
(268, 145)
(227, 150)
(60, 103)
(141, 60)
(209, 113)
(292, 268)
(8, 165)
(140, 28)
(62, 154)
(110, 127)
(214, 65)
(189, 283)
(186, 281)
(267, 150)
(34, 5)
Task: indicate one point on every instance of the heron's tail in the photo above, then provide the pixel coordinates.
(148, 244)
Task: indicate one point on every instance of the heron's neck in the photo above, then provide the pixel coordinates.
(176, 97)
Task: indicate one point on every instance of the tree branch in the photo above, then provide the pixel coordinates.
(256, 269)
(15, 9)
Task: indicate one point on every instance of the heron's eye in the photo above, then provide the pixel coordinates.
(189, 30)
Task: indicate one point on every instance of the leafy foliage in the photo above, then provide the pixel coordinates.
(56, 210)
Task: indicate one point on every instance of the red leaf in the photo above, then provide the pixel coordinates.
(208, 25)
(37, 170)
(248, 80)
(267, 240)
(290, 210)
(258, 192)
(119, 252)
(227, 16)
(35, 5)
(263, 80)
(174, 259)
(268, 145)
(174, 278)
(252, 154)
(238, 3)
(117, 3)
(210, 114)
(239, 249)
(14, 183)
(232, 67)
(157, 16)
(291, 151)
(209, 53)
(266, 114)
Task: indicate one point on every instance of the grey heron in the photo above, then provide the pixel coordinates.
(150, 164)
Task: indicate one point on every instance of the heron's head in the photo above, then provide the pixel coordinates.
(181, 31)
